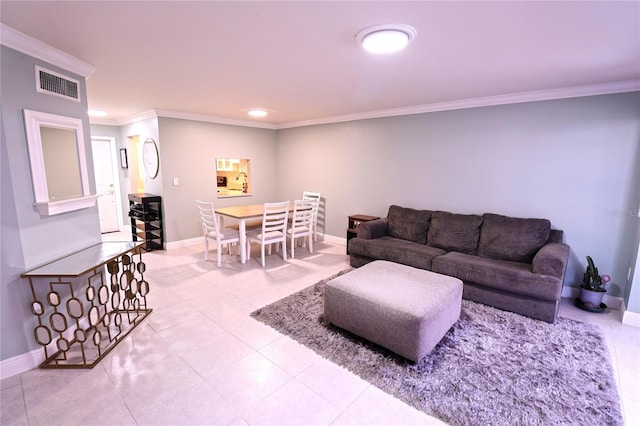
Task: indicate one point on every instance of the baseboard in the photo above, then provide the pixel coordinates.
(198, 240)
(184, 243)
(29, 360)
(333, 240)
(21, 363)
(628, 317)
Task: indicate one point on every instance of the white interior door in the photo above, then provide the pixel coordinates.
(105, 184)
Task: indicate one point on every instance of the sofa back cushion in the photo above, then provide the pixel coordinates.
(454, 232)
(511, 238)
(409, 224)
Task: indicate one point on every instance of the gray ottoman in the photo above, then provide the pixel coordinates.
(404, 309)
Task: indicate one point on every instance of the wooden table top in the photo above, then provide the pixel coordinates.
(245, 212)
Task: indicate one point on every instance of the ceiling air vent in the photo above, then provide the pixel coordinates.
(52, 83)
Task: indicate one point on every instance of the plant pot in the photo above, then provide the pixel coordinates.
(590, 298)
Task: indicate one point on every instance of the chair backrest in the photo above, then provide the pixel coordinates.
(307, 195)
(208, 217)
(275, 217)
(303, 213)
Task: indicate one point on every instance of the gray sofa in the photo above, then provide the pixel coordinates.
(510, 263)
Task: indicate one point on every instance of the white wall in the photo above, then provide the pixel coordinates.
(572, 161)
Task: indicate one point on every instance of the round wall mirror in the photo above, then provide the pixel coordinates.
(150, 157)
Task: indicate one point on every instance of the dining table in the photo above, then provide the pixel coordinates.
(243, 214)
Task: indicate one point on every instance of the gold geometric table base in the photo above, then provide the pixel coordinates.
(86, 354)
(95, 299)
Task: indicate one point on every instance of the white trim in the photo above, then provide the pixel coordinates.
(333, 240)
(103, 121)
(182, 116)
(213, 119)
(20, 363)
(520, 97)
(30, 360)
(145, 115)
(199, 240)
(184, 243)
(33, 120)
(629, 317)
(56, 207)
(30, 46)
(513, 98)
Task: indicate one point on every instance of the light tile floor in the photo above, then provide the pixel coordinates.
(200, 359)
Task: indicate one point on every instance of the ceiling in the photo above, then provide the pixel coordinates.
(300, 59)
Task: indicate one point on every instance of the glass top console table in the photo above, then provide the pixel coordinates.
(87, 302)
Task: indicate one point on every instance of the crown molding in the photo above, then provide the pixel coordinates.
(145, 115)
(156, 113)
(512, 98)
(103, 121)
(30, 46)
(213, 119)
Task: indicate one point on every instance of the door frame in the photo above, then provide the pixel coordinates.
(116, 177)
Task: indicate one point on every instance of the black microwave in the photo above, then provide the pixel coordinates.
(222, 181)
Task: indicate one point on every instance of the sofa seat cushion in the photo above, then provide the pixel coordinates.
(395, 250)
(454, 232)
(513, 277)
(512, 238)
(409, 224)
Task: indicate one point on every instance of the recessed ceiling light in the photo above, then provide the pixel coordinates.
(96, 113)
(387, 38)
(257, 113)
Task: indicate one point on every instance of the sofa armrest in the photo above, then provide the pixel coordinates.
(373, 229)
(551, 260)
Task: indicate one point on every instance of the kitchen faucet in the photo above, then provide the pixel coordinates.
(244, 184)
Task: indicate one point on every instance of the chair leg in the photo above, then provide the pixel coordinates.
(284, 249)
(310, 243)
(293, 246)
(262, 254)
(219, 253)
(206, 249)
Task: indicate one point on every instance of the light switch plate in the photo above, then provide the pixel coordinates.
(176, 182)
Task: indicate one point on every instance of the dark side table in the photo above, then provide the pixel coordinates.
(355, 221)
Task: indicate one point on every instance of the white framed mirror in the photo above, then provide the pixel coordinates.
(58, 163)
(150, 158)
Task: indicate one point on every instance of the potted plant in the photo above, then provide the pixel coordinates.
(593, 287)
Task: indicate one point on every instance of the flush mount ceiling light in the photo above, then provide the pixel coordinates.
(387, 38)
(97, 113)
(257, 113)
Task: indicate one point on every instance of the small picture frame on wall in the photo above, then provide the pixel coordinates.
(123, 158)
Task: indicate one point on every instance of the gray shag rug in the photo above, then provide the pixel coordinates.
(491, 368)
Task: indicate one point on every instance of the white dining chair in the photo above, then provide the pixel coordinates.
(274, 229)
(308, 195)
(212, 231)
(302, 224)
